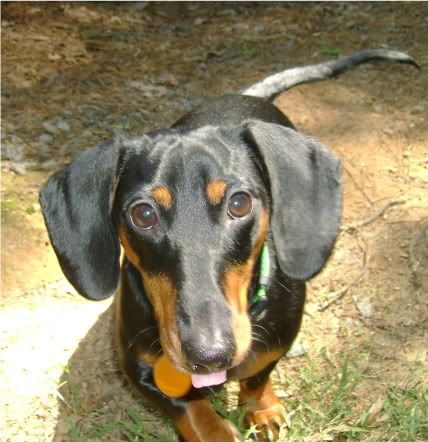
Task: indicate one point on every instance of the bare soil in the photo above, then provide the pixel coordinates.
(103, 68)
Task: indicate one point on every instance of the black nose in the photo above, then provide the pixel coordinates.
(204, 357)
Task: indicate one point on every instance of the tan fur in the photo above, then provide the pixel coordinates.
(236, 283)
(163, 196)
(162, 294)
(216, 190)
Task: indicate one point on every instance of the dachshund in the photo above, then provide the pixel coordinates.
(221, 218)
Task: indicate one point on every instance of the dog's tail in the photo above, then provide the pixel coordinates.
(273, 85)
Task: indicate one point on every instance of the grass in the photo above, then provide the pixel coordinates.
(327, 402)
(130, 429)
(328, 407)
(408, 411)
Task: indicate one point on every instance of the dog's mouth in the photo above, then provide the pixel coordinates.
(175, 382)
(208, 380)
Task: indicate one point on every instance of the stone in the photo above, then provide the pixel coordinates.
(364, 307)
(298, 349)
(63, 125)
(50, 127)
(18, 168)
(46, 138)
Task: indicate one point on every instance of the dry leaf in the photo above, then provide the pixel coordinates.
(54, 57)
(375, 410)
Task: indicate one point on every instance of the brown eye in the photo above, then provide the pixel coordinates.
(239, 205)
(144, 216)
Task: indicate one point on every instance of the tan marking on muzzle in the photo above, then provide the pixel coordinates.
(162, 294)
(236, 284)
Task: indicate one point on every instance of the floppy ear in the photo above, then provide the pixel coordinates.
(76, 204)
(305, 186)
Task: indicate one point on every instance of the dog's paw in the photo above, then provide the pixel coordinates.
(267, 422)
(236, 434)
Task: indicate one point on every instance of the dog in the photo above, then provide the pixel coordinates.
(221, 218)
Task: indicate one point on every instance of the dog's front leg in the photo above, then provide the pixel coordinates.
(193, 417)
(200, 423)
(264, 410)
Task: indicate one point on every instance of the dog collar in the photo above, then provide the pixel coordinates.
(264, 275)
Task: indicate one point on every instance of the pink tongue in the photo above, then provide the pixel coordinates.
(206, 380)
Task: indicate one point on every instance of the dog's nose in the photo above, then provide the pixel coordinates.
(203, 357)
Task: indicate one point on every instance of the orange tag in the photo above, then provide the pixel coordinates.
(169, 380)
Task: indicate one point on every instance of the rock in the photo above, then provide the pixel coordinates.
(148, 90)
(14, 139)
(7, 93)
(49, 165)
(65, 148)
(364, 307)
(50, 127)
(45, 138)
(63, 125)
(90, 115)
(12, 152)
(417, 109)
(44, 150)
(139, 6)
(378, 107)
(348, 323)
(388, 131)
(297, 350)
(18, 168)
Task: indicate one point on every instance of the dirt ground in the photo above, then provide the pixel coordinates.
(74, 74)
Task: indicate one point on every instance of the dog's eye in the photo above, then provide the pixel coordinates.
(239, 205)
(144, 216)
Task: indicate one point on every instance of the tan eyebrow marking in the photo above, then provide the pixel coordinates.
(215, 191)
(162, 196)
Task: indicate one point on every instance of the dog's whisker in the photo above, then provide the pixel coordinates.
(283, 286)
(263, 328)
(152, 344)
(159, 352)
(258, 338)
(133, 341)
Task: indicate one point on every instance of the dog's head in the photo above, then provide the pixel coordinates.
(192, 211)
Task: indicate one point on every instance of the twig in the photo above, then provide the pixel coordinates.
(365, 222)
(414, 262)
(361, 189)
(339, 294)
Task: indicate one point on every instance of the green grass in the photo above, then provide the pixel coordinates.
(408, 411)
(331, 51)
(130, 429)
(329, 401)
(328, 407)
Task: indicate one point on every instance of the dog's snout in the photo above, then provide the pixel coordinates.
(206, 355)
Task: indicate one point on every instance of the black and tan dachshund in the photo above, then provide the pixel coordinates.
(222, 218)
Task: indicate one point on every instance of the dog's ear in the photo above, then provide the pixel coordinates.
(76, 203)
(305, 186)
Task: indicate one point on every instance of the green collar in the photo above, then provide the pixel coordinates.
(264, 276)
